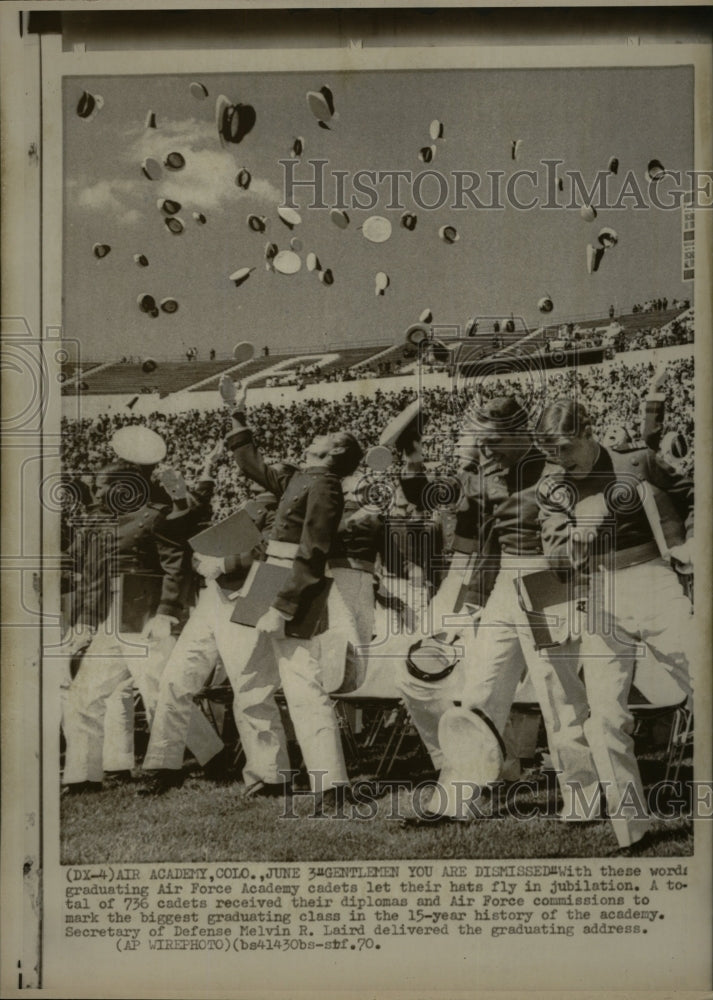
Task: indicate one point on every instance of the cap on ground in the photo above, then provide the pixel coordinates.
(101, 250)
(376, 229)
(409, 220)
(608, 237)
(545, 305)
(588, 213)
(289, 216)
(244, 351)
(168, 206)
(409, 420)
(175, 161)
(88, 105)
(427, 153)
(151, 168)
(241, 275)
(138, 444)
(654, 171)
(174, 225)
(258, 223)
(613, 165)
(141, 259)
(243, 178)
(200, 218)
(287, 262)
(326, 277)
(594, 258)
(150, 121)
(169, 305)
(471, 746)
(146, 302)
(339, 218)
(381, 282)
(500, 415)
(449, 234)
(198, 90)
(435, 130)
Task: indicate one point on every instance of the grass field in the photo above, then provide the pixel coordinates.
(208, 821)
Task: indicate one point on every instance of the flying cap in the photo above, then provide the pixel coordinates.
(608, 237)
(168, 206)
(406, 421)
(674, 447)
(449, 234)
(148, 365)
(313, 262)
(271, 251)
(515, 148)
(409, 220)
(321, 103)
(88, 105)
(200, 218)
(379, 458)
(257, 223)
(101, 250)
(243, 178)
(234, 121)
(139, 445)
(376, 229)
(175, 161)
(435, 130)
(150, 121)
(298, 146)
(594, 258)
(296, 244)
(244, 351)
(430, 660)
(141, 260)
(241, 275)
(654, 171)
(473, 749)
(426, 316)
(339, 218)
(174, 224)
(169, 305)
(588, 213)
(287, 262)
(471, 327)
(613, 165)
(382, 282)
(151, 168)
(146, 303)
(417, 333)
(289, 216)
(198, 90)
(545, 305)
(426, 153)
(500, 415)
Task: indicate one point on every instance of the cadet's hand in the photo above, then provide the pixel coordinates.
(683, 556)
(158, 628)
(209, 567)
(233, 393)
(271, 623)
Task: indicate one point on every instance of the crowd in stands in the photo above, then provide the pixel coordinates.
(612, 396)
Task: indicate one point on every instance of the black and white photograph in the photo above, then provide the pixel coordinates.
(364, 471)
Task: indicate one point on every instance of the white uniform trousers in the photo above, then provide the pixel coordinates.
(496, 655)
(109, 663)
(251, 669)
(118, 754)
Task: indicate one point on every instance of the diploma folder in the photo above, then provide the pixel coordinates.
(264, 583)
(549, 605)
(234, 534)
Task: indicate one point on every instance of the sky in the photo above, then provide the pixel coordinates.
(504, 261)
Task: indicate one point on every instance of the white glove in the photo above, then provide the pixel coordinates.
(209, 567)
(159, 627)
(683, 555)
(592, 511)
(271, 623)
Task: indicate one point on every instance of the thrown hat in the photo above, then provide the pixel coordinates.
(430, 660)
(376, 229)
(674, 447)
(146, 302)
(257, 223)
(244, 351)
(150, 121)
(500, 415)
(515, 148)
(287, 262)
(594, 258)
(613, 165)
(175, 161)
(174, 224)
(472, 747)
(409, 220)
(435, 129)
(101, 250)
(88, 106)
(608, 237)
(243, 178)
(151, 168)
(271, 251)
(296, 244)
(297, 146)
(326, 277)
(588, 213)
(148, 365)
(198, 90)
(138, 444)
(545, 305)
(417, 333)
(289, 216)
(200, 218)
(241, 275)
(471, 327)
(426, 316)
(426, 153)
(408, 421)
(169, 305)
(321, 103)
(141, 259)
(379, 458)
(313, 262)
(339, 218)
(168, 206)
(382, 282)
(449, 234)
(654, 171)
(234, 121)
